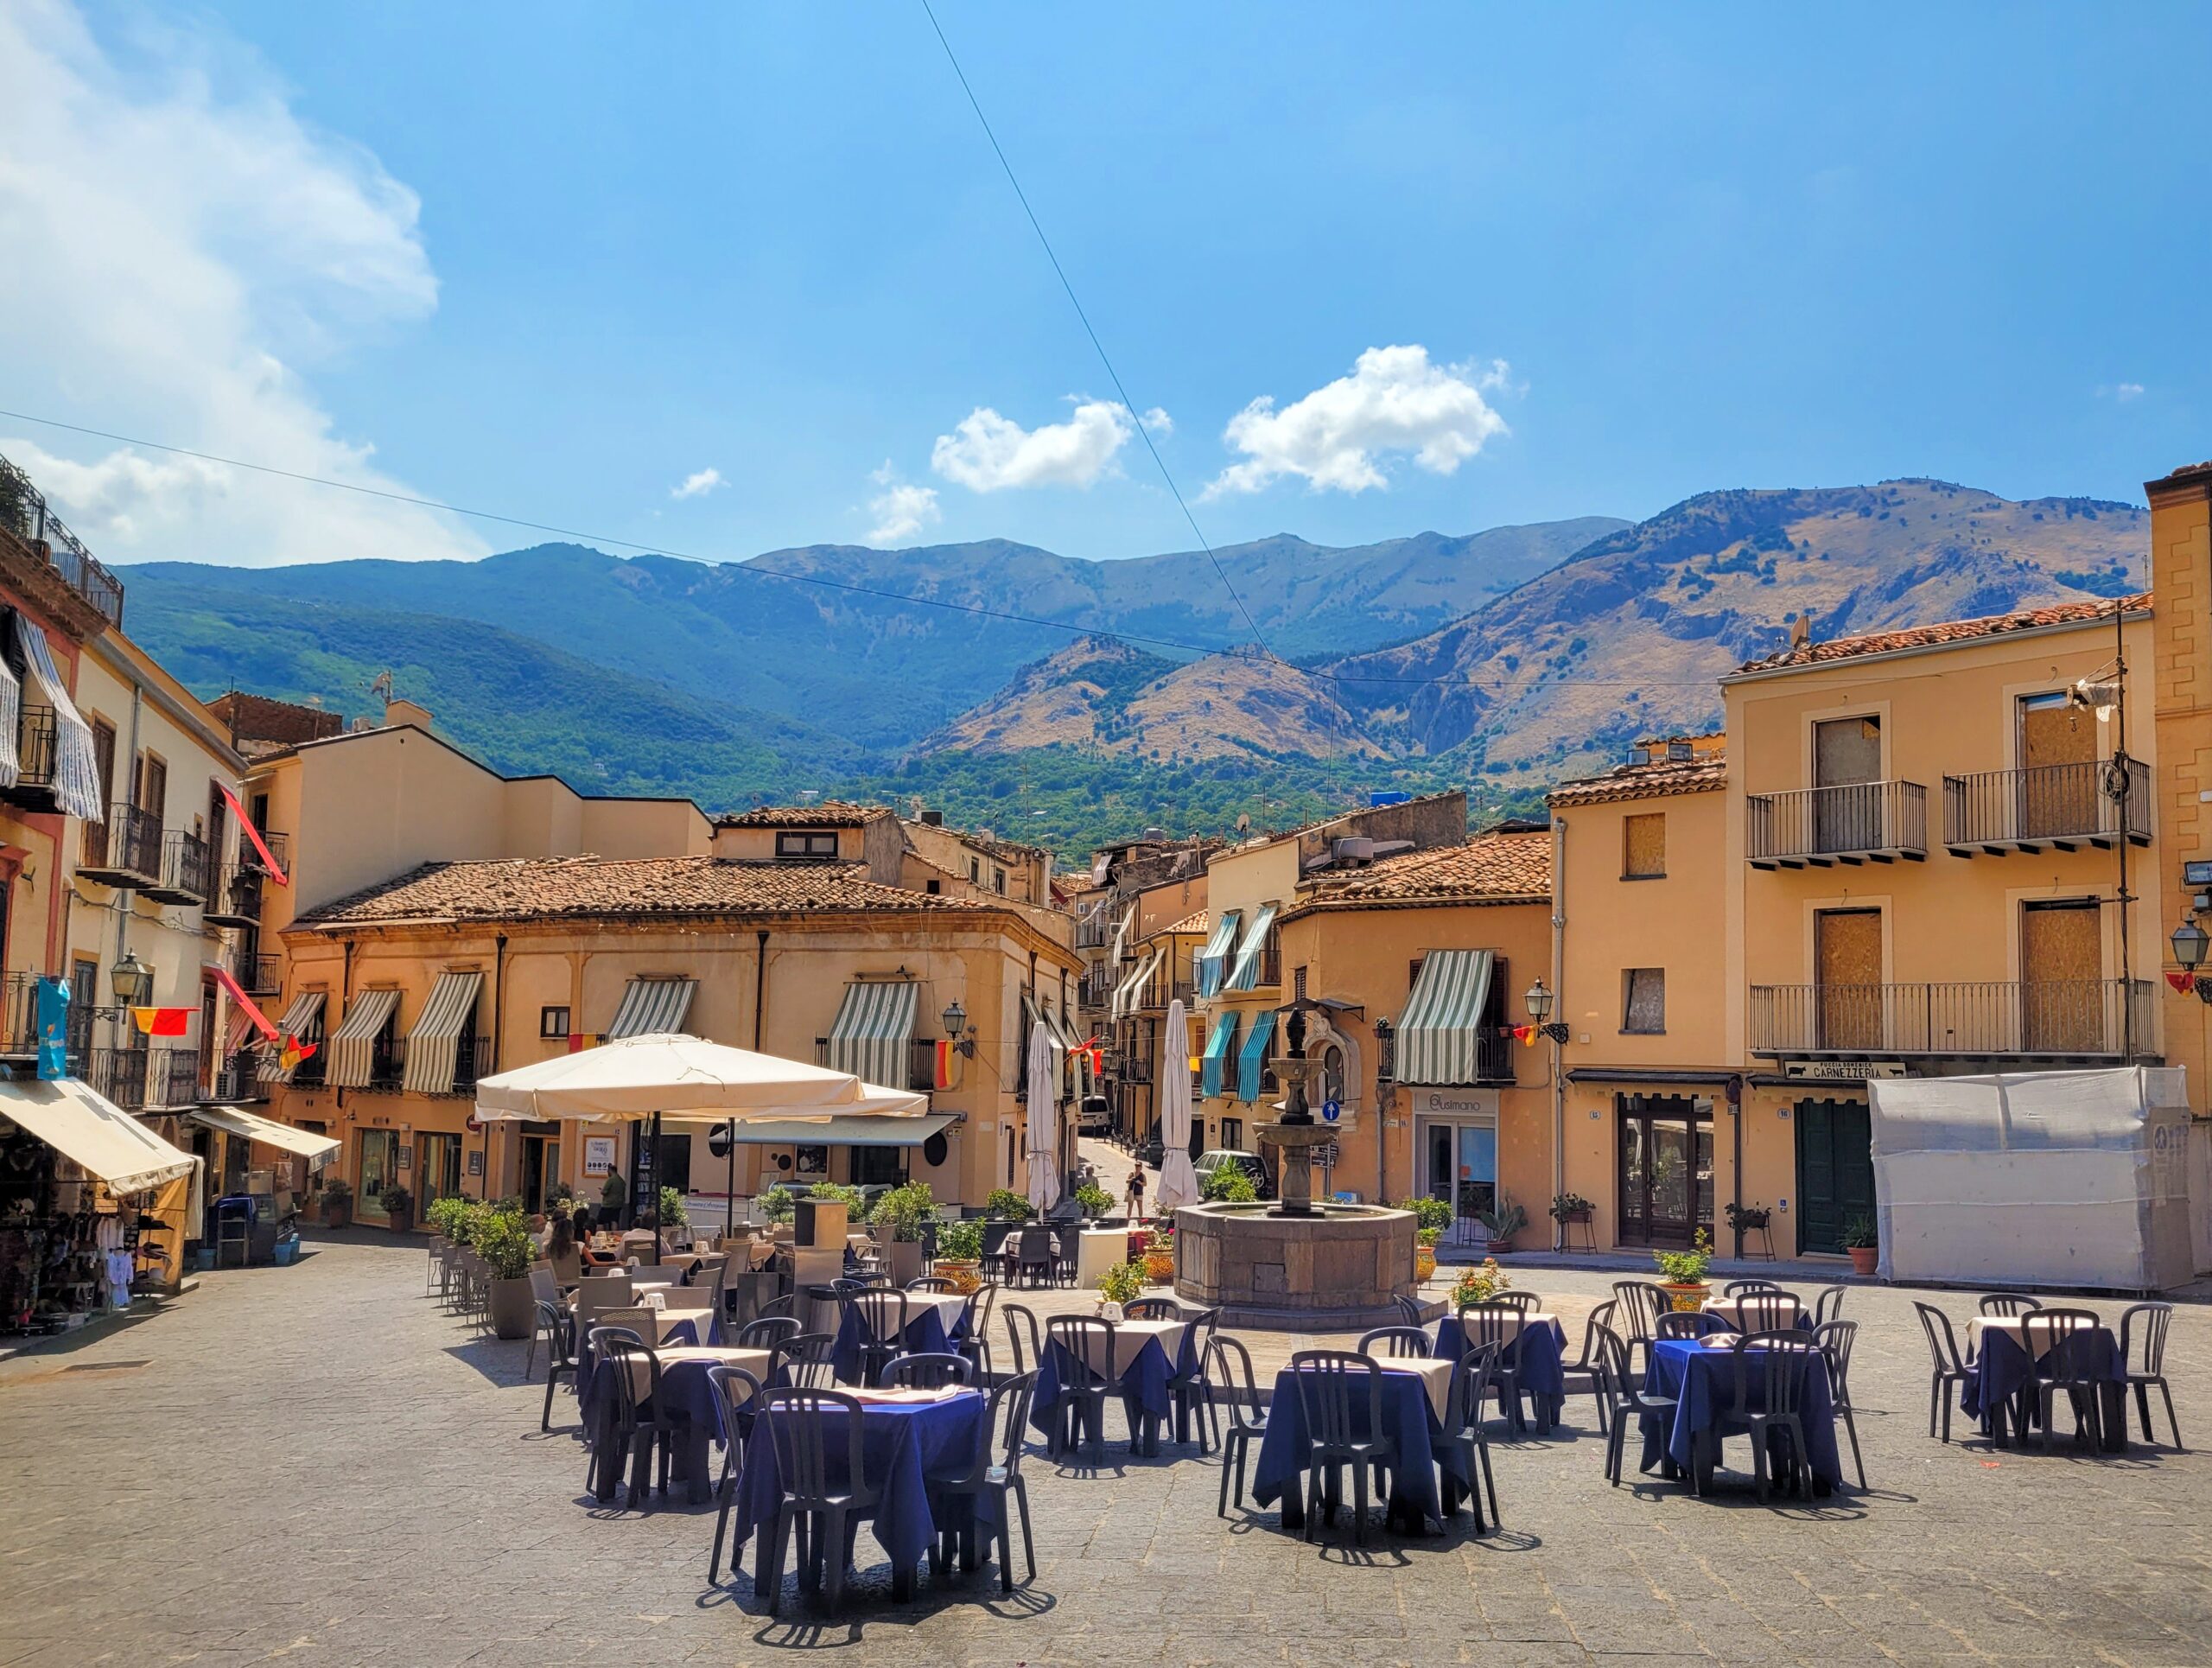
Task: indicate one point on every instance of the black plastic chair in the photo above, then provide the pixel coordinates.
(1768, 1311)
(975, 1342)
(883, 1316)
(933, 1282)
(1035, 1255)
(1191, 1391)
(1527, 1302)
(812, 1492)
(1397, 1342)
(1583, 1372)
(1337, 1437)
(1836, 1339)
(1152, 1308)
(1230, 1366)
(1502, 1324)
(1082, 1340)
(1466, 1428)
(2008, 1305)
(1642, 1304)
(560, 1359)
(1827, 1305)
(1745, 1288)
(1680, 1323)
(783, 1307)
(767, 1332)
(1020, 1319)
(995, 1470)
(1629, 1401)
(1068, 1252)
(2156, 1318)
(994, 1253)
(806, 1360)
(1777, 1362)
(1408, 1311)
(641, 1432)
(2058, 1341)
(736, 1392)
(929, 1370)
(1946, 1366)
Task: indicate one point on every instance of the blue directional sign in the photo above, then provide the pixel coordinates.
(1331, 1111)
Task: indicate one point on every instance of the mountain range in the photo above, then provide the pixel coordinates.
(1499, 660)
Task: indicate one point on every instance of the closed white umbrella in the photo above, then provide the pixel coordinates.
(1044, 1123)
(1179, 1182)
(676, 1077)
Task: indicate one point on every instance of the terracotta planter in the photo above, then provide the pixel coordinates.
(1498, 1247)
(512, 1308)
(967, 1278)
(400, 1222)
(1689, 1298)
(1424, 1263)
(1160, 1267)
(1581, 1215)
(338, 1213)
(1864, 1259)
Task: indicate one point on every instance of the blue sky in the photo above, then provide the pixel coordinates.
(558, 260)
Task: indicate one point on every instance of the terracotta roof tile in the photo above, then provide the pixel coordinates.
(540, 888)
(1200, 922)
(830, 813)
(1488, 868)
(1707, 773)
(1949, 631)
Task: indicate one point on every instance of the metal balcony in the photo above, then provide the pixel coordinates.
(238, 1081)
(184, 875)
(921, 1062)
(2053, 807)
(237, 899)
(23, 511)
(124, 851)
(279, 848)
(1820, 827)
(2048, 1019)
(35, 740)
(258, 976)
(145, 1080)
(19, 1016)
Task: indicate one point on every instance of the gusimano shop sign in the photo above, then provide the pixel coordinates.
(1455, 1102)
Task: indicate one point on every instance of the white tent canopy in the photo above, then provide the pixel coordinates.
(683, 1079)
(1179, 1182)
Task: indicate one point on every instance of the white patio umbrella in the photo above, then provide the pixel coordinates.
(684, 1079)
(1044, 1122)
(1179, 1182)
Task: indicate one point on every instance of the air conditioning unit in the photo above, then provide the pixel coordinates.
(1351, 852)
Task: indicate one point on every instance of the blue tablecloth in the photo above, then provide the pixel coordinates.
(588, 1366)
(903, 1450)
(1702, 1381)
(925, 1334)
(1542, 1378)
(1408, 1417)
(2002, 1368)
(1144, 1382)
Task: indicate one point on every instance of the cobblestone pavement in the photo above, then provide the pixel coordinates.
(317, 1464)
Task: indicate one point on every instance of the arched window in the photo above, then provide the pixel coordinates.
(1333, 1072)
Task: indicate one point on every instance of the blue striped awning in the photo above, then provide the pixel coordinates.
(873, 1028)
(1212, 1064)
(1252, 1059)
(1437, 1038)
(1245, 975)
(1211, 966)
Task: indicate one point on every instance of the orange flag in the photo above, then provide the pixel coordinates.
(161, 1022)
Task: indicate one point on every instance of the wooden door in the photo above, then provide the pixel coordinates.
(2062, 983)
(2058, 768)
(1848, 989)
(1663, 1178)
(1847, 770)
(153, 788)
(1835, 1171)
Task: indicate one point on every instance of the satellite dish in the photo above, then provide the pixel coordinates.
(1244, 823)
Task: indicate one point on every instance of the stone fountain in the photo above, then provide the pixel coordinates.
(1295, 1265)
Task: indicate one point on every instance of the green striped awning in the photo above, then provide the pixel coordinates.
(1252, 1057)
(1437, 1038)
(650, 1006)
(874, 1025)
(1219, 1042)
(1212, 963)
(1246, 974)
(434, 1045)
(352, 1045)
(301, 1020)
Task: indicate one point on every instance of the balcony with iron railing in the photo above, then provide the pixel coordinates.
(19, 1015)
(1096, 932)
(1820, 827)
(145, 1080)
(921, 1062)
(237, 899)
(37, 737)
(2055, 807)
(238, 1079)
(280, 848)
(2051, 1019)
(25, 513)
(184, 876)
(125, 850)
(388, 1065)
(258, 975)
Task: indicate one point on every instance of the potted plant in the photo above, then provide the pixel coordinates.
(446, 1218)
(672, 1214)
(1122, 1284)
(901, 1214)
(1478, 1283)
(1005, 1204)
(1501, 1222)
(1570, 1207)
(1095, 1200)
(1862, 1238)
(338, 1203)
(960, 1254)
(1684, 1272)
(504, 1243)
(398, 1208)
(1159, 1255)
(1432, 1216)
(1744, 1217)
(1228, 1184)
(777, 1206)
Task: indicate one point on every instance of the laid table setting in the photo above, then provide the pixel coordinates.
(936, 1324)
(1146, 1356)
(1700, 1376)
(1431, 1476)
(687, 1398)
(1999, 1390)
(1539, 1344)
(1729, 1313)
(910, 1440)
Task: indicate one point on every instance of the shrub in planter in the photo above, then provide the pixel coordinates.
(672, 1214)
(1429, 1213)
(1480, 1284)
(1122, 1284)
(960, 1254)
(778, 1206)
(1570, 1207)
(1007, 1205)
(1502, 1221)
(1425, 1252)
(1095, 1199)
(502, 1240)
(1229, 1184)
(398, 1207)
(1862, 1238)
(1159, 1255)
(338, 1204)
(1742, 1217)
(1684, 1271)
(447, 1217)
(901, 1214)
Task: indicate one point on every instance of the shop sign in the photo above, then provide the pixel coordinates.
(1848, 1070)
(599, 1154)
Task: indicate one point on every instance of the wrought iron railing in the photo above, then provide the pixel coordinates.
(238, 1078)
(1822, 825)
(2052, 1017)
(258, 976)
(237, 897)
(36, 735)
(184, 866)
(279, 846)
(19, 1015)
(127, 845)
(921, 1062)
(24, 511)
(2047, 804)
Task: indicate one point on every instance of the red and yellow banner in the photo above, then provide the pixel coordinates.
(161, 1022)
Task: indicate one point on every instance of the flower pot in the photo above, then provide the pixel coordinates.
(905, 1259)
(400, 1222)
(1160, 1266)
(1863, 1260)
(1424, 1263)
(1580, 1213)
(1497, 1247)
(338, 1213)
(512, 1308)
(967, 1278)
(1689, 1298)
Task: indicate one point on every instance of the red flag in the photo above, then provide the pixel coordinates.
(2180, 982)
(1525, 1034)
(247, 1004)
(293, 1051)
(161, 1022)
(245, 823)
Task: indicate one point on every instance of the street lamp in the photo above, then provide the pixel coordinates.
(2190, 941)
(131, 981)
(1540, 1002)
(955, 1022)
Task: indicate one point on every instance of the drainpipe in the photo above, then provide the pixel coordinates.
(1735, 1092)
(121, 903)
(759, 984)
(498, 1031)
(1559, 999)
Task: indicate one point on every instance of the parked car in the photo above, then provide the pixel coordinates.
(1094, 1116)
(1251, 1163)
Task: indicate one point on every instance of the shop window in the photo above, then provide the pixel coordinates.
(1643, 846)
(1643, 1008)
(553, 1022)
(1232, 1134)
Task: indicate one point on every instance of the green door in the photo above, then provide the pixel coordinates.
(1835, 1171)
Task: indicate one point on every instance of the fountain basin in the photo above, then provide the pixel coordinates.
(1337, 1269)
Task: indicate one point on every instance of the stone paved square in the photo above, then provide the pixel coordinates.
(321, 1465)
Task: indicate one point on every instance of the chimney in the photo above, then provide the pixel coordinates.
(397, 712)
(1801, 631)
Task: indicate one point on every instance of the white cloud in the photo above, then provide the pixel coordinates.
(901, 509)
(1338, 436)
(698, 484)
(1159, 423)
(987, 453)
(185, 246)
(2127, 390)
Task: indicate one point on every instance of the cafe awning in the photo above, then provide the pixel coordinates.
(651, 1005)
(434, 1045)
(1252, 1057)
(299, 1019)
(1212, 964)
(1246, 974)
(1212, 1064)
(236, 1120)
(843, 1131)
(1437, 1038)
(92, 1131)
(352, 1045)
(874, 1026)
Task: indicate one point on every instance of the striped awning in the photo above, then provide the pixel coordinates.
(1215, 1061)
(1122, 933)
(1128, 993)
(77, 789)
(303, 1019)
(1212, 964)
(874, 1025)
(654, 1005)
(11, 720)
(1252, 1057)
(1437, 1038)
(352, 1045)
(434, 1045)
(1245, 975)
